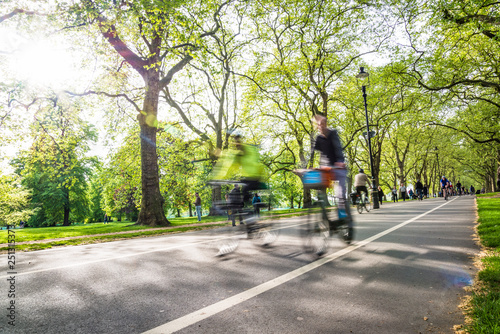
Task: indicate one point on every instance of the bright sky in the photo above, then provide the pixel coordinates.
(41, 64)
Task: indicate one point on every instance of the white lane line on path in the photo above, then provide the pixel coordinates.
(206, 312)
(131, 255)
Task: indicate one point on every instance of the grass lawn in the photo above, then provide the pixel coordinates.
(109, 237)
(485, 304)
(43, 233)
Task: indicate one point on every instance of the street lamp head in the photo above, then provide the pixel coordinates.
(362, 74)
(363, 78)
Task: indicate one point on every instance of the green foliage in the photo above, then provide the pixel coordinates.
(95, 194)
(54, 168)
(180, 175)
(14, 202)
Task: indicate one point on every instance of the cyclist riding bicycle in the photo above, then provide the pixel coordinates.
(328, 144)
(242, 162)
(444, 185)
(360, 181)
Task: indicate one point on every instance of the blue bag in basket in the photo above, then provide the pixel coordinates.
(312, 178)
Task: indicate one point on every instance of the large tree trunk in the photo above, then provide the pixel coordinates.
(151, 213)
(66, 207)
(307, 198)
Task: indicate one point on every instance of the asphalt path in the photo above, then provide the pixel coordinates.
(405, 273)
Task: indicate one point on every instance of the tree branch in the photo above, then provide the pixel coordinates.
(18, 11)
(90, 92)
(109, 32)
(497, 140)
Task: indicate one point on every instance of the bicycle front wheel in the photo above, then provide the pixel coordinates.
(315, 235)
(225, 240)
(368, 206)
(359, 206)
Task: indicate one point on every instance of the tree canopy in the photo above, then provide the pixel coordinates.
(159, 86)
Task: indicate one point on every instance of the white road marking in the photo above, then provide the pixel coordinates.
(206, 312)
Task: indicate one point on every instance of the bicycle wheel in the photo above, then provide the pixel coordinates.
(263, 232)
(345, 232)
(315, 235)
(226, 240)
(359, 206)
(368, 206)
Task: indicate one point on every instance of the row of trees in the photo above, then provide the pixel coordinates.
(188, 72)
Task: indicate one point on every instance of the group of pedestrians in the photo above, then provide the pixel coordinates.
(421, 192)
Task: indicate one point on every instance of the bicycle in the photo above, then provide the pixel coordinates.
(319, 228)
(360, 201)
(252, 226)
(445, 193)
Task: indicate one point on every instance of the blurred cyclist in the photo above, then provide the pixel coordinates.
(328, 144)
(243, 163)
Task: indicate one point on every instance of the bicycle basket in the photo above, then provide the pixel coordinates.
(317, 178)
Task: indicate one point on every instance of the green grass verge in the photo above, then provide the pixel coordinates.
(489, 221)
(44, 233)
(76, 230)
(485, 302)
(106, 238)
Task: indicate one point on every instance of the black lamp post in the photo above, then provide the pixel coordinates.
(364, 75)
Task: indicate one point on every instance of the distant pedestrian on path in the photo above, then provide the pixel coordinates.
(402, 192)
(255, 202)
(105, 218)
(197, 205)
(394, 194)
(380, 194)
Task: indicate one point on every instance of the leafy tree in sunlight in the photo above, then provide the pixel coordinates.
(55, 168)
(14, 201)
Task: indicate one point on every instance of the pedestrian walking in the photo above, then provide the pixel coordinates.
(394, 194)
(380, 194)
(197, 205)
(255, 202)
(402, 192)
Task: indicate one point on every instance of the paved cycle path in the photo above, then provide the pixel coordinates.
(404, 274)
